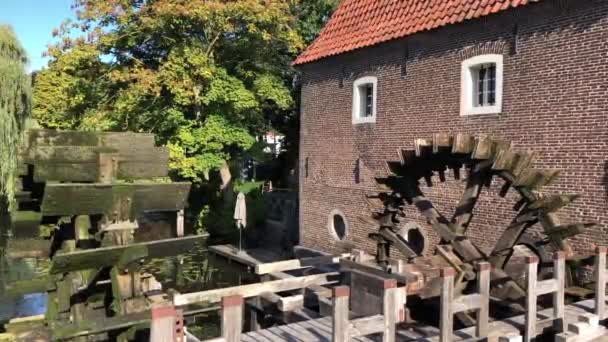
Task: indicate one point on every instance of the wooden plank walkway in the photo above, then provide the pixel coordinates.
(307, 331)
(320, 329)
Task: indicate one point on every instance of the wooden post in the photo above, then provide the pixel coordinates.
(559, 306)
(600, 283)
(232, 318)
(255, 304)
(447, 296)
(341, 295)
(531, 277)
(167, 325)
(390, 309)
(180, 223)
(483, 287)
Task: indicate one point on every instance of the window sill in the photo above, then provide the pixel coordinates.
(359, 121)
(481, 111)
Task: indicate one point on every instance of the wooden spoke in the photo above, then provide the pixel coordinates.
(464, 210)
(483, 158)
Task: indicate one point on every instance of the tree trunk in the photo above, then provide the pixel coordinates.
(226, 186)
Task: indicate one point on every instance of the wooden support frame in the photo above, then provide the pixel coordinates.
(109, 256)
(232, 318)
(254, 290)
(601, 279)
(167, 325)
(535, 288)
(343, 329)
(340, 314)
(294, 264)
(480, 302)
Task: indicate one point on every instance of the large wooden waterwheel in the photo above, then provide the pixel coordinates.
(479, 160)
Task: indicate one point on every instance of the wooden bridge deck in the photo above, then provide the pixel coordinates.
(311, 330)
(320, 329)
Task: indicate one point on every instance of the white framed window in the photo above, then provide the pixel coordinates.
(365, 98)
(337, 224)
(481, 85)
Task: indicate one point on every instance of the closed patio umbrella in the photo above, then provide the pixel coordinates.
(240, 216)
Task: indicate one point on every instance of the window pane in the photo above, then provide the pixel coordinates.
(369, 100)
(491, 98)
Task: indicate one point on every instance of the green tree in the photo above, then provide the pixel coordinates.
(312, 16)
(205, 76)
(15, 95)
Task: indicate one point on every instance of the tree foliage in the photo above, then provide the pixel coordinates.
(15, 96)
(206, 76)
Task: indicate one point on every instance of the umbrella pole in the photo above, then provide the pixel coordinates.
(240, 238)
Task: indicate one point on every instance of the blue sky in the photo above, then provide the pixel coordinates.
(33, 21)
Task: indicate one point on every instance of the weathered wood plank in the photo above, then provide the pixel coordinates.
(109, 256)
(26, 224)
(553, 203)
(43, 137)
(463, 143)
(28, 248)
(340, 311)
(63, 172)
(522, 161)
(484, 148)
(422, 145)
(87, 199)
(63, 154)
(293, 264)
(441, 141)
(504, 160)
(252, 290)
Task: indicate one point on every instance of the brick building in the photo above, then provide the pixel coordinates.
(384, 72)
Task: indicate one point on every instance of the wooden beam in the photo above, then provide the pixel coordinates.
(28, 248)
(600, 282)
(47, 137)
(441, 141)
(253, 290)
(348, 265)
(291, 303)
(87, 199)
(422, 145)
(484, 148)
(26, 224)
(294, 264)
(110, 256)
(463, 144)
(464, 210)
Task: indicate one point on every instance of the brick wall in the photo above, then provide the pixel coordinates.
(555, 102)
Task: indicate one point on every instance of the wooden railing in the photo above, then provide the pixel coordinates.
(394, 299)
(535, 288)
(480, 302)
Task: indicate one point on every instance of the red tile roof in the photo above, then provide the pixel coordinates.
(360, 23)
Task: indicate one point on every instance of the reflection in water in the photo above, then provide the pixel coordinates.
(195, 270)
